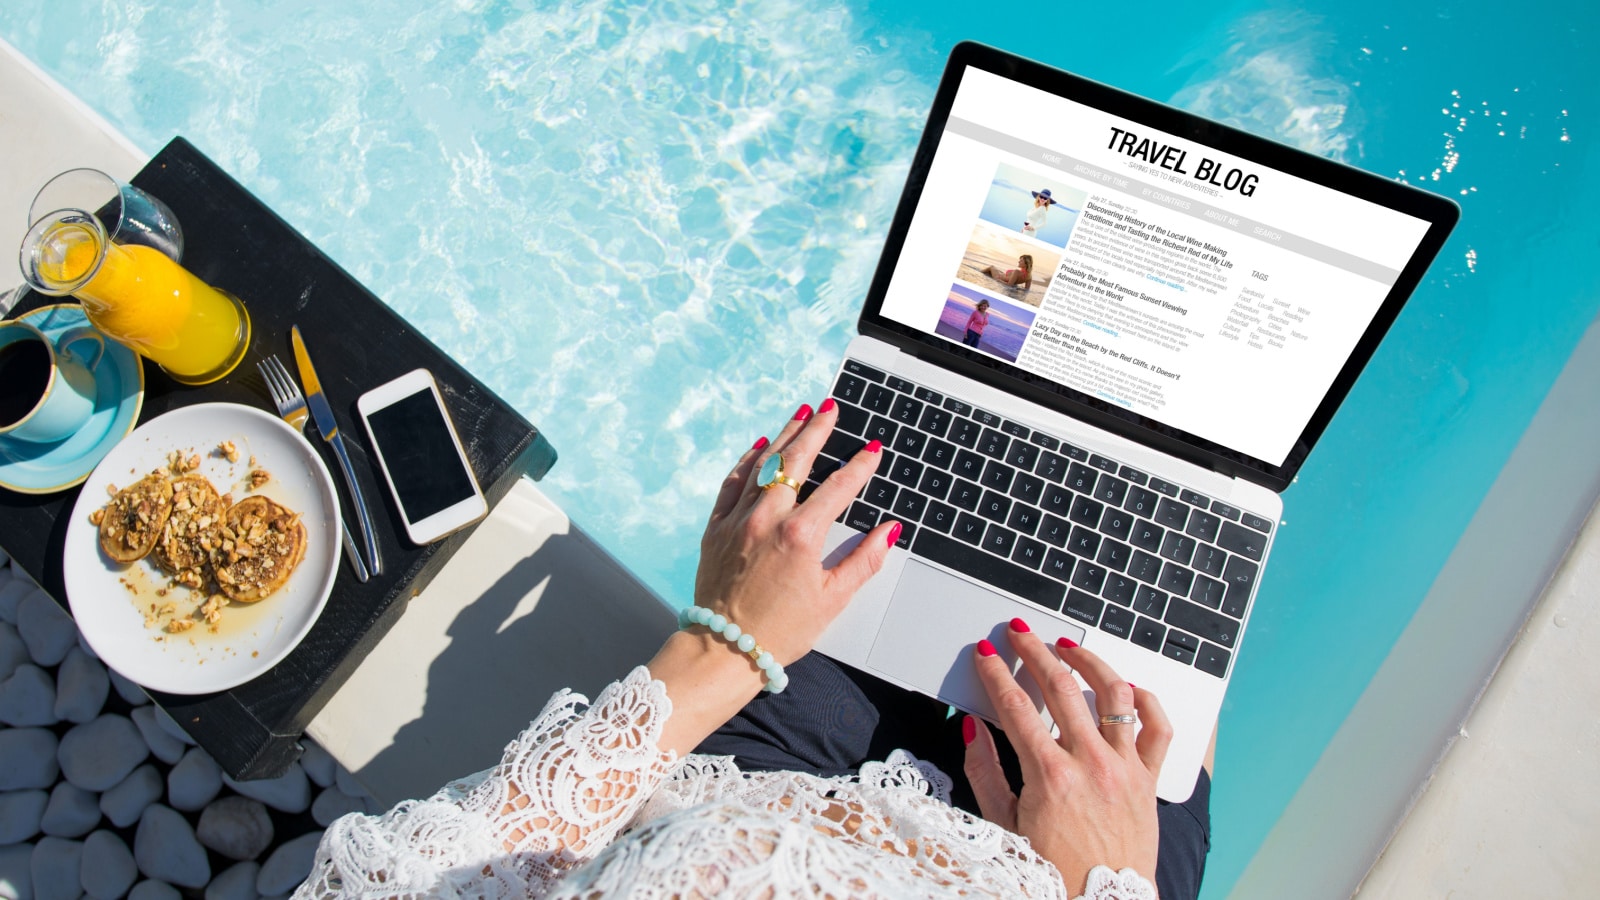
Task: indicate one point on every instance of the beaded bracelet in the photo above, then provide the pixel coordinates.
(777, 679)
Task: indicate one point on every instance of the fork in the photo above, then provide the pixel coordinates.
(291, 406)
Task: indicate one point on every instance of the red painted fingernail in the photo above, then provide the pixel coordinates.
(1068, 643)
(894, 533)
(803, 413)
(1132, 685)
(986, 649)
(969, 730)
(873, 446)
(760, 442)
(827, 406)
(1020, 626)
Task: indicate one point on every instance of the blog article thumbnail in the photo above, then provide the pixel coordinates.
(1041, 207)
(1006, 264)
(984, 323)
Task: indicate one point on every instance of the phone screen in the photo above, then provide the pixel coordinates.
(421, 455)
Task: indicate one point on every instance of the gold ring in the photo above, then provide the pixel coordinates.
(1127, 719)
(772, 474)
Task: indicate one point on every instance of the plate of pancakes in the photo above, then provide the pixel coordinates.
(202, 548)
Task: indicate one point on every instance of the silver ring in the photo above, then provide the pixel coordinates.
(1128, 719)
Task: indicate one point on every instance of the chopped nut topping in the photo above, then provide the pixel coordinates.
(258, 477)
(228, 451)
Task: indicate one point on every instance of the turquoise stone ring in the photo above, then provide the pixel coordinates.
(771, 473)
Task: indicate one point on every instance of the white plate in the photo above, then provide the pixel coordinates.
(109, 600)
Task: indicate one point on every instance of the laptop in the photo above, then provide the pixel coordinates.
(1103, 336)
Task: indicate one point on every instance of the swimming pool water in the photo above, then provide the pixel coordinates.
(648, 227)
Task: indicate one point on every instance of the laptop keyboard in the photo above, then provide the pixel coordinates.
(1077, 533)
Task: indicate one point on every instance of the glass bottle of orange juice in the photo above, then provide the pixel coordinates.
(138, 296)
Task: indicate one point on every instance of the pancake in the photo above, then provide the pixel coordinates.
(185, 545)
(261, 543)
(134, 519)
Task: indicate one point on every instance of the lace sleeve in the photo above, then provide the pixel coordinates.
(1104, 884)
(563, 790)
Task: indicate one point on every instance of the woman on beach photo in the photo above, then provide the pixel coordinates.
(1036, 216)
(1021, 276)
(976, 323)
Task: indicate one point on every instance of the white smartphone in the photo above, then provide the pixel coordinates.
(421, 457)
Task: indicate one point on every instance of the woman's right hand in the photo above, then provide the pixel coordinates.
(1088, 797)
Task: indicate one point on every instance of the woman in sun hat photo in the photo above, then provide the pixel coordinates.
(1036, 216)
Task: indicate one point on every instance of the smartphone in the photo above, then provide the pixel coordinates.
(421, 457)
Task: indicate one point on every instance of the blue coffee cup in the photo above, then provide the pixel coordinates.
(49, 388)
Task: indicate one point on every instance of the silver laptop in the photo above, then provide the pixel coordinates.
(1103, 335)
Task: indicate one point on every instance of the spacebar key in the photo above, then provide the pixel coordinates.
(992, 570)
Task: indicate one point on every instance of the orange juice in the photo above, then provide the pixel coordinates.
(140, 297)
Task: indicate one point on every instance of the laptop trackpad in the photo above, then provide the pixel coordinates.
(934, 620)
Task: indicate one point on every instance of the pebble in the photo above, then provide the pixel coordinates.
(347, 782)
(171, 726)
(16, 872)
(128, 690)
(82, 687)
(12, 590)
(83, 644)
(154, 890)
(319, 764)
(47, 630)
(237, 883)
(288, 865)
(27, 758)
(124, 803)
(165, 848)
(98, 754)
(194, 781)
(166, 748)
(28, 697)
(13, 652)
(73, 812)
(289, 792)
(55, 869)
(20, 814)
(108, 869)
(333, 803)
(236, 827)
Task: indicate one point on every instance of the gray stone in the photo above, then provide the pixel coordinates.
(13, 652)
(99, 753)
(288, 865)
(81, 687)
(27, 758)
(55, 866)
(83, 644)
(166, 748)
(20, 814)
(125, 803)
(73, 812)
(171, 726)
(154, 890)
(289, 792)
(319, 764)
(47, 630)
(28, 697)
(194, 781)
(238, 882)
(128, 690)
(236, 827)
(108, 869)
(333, 803)
(165, 848)
(16, 872)
(12, 590)
(352, 786)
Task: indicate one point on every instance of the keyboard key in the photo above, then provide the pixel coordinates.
(1212, 660)
(1102, 463)
(1172, 514)
(1083, 607)
(1083, 542)
(940, 516)
(1081, 478)
(909, 505)
(986, 418)
(1175, 651)
(966, 495)
(935, 421)
(1147, 535)
(861, 517)
(1209, 559)
(1058, 564)
(1187, 641)
(956, 406)
(939, 453)
(1119, 589)
(964, 432)
(999, 540)
(1004, 575)
(1203, 525)
(1149, 634)
(1176, 578)
(1051, 466)
(1110, 490)
(1055, 530)
(1029, 552)
(927, 396)
(1117, 523)
(880, 493)
(906, 411)
(968, 465)
(852, 419)
(994, 507)
(905, 471)
(1085, 512)
(1145, 567)
(993, 444)
(1076, 453)
(1141, 502)
(1224, 510)
(865, 371)
(1023, 456)
(1242, 541)
(1258, 523)
(1058, 500)
(1114, 554)
(1133, 475)
(1194, 619)
(969, 528)
(1194, 499)
(935, 483)
(1150, 601)
(1118, 621)
(1241, 579)
(1016, 429)
(1024, 518)
(1045, 440)
(897, 383)
(878, 399)
(1163, 487)
(911, 441)
(1027, 488)
(997, 475)
(849, 388)
(1207, 592)
(842, 446)
(881, 430)
(1178, 547)
(1089, 576)
(907, 531)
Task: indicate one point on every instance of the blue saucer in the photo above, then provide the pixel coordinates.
(29, 468)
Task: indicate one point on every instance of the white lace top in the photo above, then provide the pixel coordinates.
(585, 804)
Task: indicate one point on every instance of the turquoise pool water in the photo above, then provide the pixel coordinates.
(648, 227)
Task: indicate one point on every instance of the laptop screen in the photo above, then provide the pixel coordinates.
(1177, 277)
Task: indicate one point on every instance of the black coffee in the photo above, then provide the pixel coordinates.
(24, 374)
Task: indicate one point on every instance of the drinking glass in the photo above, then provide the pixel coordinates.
(130, 215)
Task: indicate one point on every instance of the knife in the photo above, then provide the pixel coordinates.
(322, 414)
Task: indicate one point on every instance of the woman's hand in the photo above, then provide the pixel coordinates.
(761, 567)
(1089, 796)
